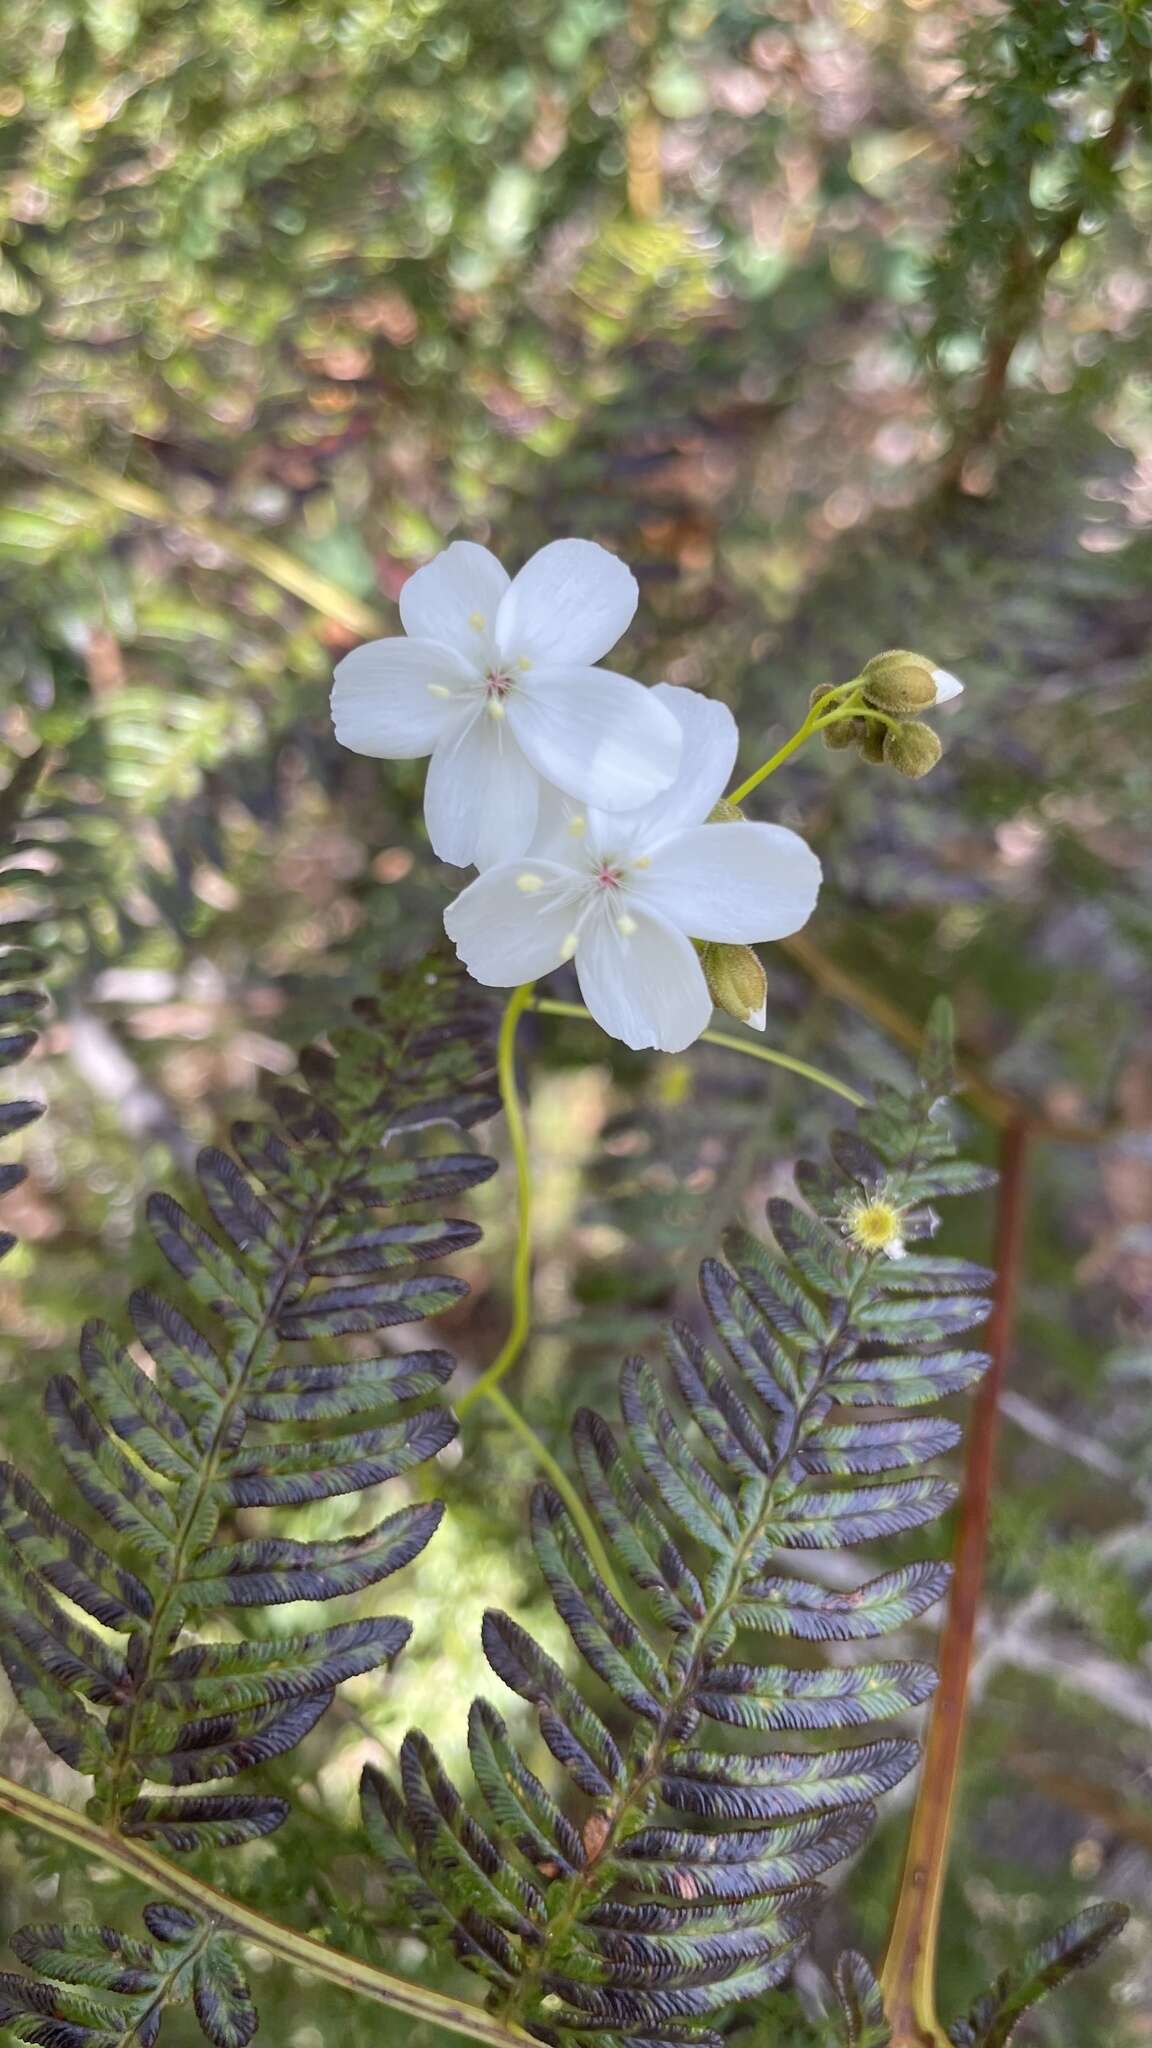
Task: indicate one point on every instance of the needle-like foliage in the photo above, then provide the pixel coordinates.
(689, 1879)
(234, 1397)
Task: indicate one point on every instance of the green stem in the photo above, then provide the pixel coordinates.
(569, 1493)
(547, 1008)
(301, 1950)
(827, 711)
(517, 1337)
(488, 1387)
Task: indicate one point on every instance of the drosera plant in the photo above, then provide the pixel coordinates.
(711, 1765)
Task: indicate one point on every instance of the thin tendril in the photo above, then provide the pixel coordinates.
(488, 1387)
(547, 1008)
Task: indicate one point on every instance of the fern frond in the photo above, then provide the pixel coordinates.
(993, 2019)
(320, 1231)
(97, 1988)
(691, 1878)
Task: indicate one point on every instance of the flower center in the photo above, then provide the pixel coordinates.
(608, 876)
(876, 1225)
(497, 684)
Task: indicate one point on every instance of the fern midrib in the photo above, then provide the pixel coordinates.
(162, 1996)
(120, 1789)
(589, 1883)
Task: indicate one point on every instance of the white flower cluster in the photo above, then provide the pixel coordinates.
(581, 796)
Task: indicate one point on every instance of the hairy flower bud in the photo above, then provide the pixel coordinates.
(736, 981)
(911, 749)
(871, 741)
(899, 682)
(846, 732)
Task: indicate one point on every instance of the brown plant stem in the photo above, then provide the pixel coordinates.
(908, 1976)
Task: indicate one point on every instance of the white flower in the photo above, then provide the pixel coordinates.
(947, 685)
(496, 681)
(625, 896)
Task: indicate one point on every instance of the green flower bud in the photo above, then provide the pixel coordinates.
(736, 981)
(899, 682)
(724, 813)
(912, 749)
(871, 741)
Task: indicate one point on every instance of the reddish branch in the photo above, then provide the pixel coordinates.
(909, 1974)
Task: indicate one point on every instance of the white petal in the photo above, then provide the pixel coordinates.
(708, 752)
(598, 736)
(505, 934)
(738, 882)
(569, 604)
(947, 685)
(393, 698)
(455, 598)
(562, 829)
(646, 988)
(481, 794)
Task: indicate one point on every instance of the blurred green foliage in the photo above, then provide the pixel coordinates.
(329, 284)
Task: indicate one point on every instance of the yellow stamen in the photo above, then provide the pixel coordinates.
(529, 883)
(642, 860)
(625, 925)
(569, 947)
(523, 664)
(439, 690)
(495, 708)
(477, 621)
(577, 826)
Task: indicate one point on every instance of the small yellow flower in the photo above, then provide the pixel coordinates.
(876, 1225)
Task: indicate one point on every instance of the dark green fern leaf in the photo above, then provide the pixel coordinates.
(321, 1230)
(992, 2020)
(96, 1988)
(723, 1785)
(862, 2019)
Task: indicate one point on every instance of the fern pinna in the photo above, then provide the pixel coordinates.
(20, 1001)
(688, 1882)
(236, 1410)
(103, 1989)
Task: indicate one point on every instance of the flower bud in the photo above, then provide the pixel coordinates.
(871, 741)
(911, 749)
(724, 813)
(844, 733)
(736, 981)
(899, 682)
